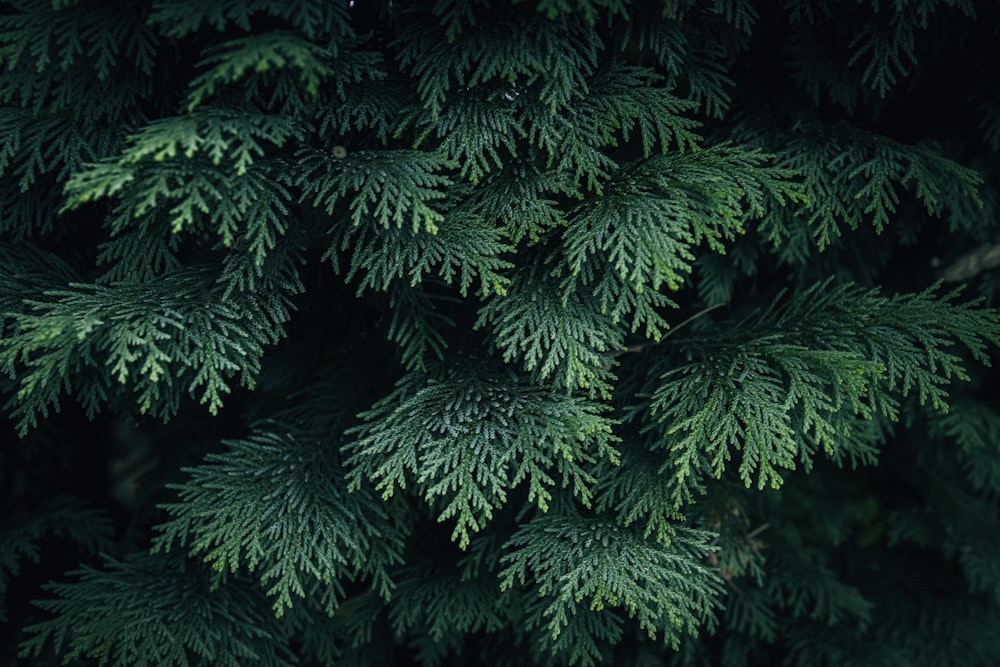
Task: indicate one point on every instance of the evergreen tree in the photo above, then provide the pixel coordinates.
(468, 332)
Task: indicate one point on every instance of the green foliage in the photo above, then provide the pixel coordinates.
(151, 610)
(152, 337)
(312, 18)
(798, 379)
(470, 436)
(444, 606)
(63, 517)
(260, 53)
(392, 187)
(572, 561)
(871, 170)
(275, 519)
(559, 338)
(656, 212)
(515, 333)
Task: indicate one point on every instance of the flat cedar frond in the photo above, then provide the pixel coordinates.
(46, 46)
(694, 65)
(462, 248)
(27, 272)
(656, 212)
(589, 9)
(666, 587)
(441, 604)
(61, 517)
(513, 46)
(417, 326)
(560, 338)
(975, 428)
(150, 336)
(475, 130)
(801, 377)
(313, 18)
(393, 187)
(524, 197)
(261, 53)
(467, 436)
(289, 521)
(152, 610)
(654, 510)
(873, 169)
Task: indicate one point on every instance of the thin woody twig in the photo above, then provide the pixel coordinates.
(639, 347)
(758, 530)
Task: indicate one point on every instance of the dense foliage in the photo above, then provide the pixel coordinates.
(468, 332)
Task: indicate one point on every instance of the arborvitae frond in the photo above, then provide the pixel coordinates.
(162, 337)
(344, 639)
(201, 169)
(277, 51)
(416, 325)
(228, 138)
(34, 145)
(750, 613)
(975, 428)
(476, 129)
(513, 196)
(634, 493)
(620, 301)
(524, 197)
(369, 103)
(466, 436)
(571, 561)
(64, 517)
(47, 49)
(695, 67)
(560, 338)
(741, 14)
(140, 254)
(313, 18)
(461, 249)
(552, 58)
(819, 73)
(288, 517)
(879, 50)
(651, 218)
(955, 513)
(615, 104)
(800, 377)
(627, 99)
(436, 602)
(903, 640)
(153, 611)
(393, 187)
(716, 275)
(798, 581)
(589, 9)
(585, 640)
(656, 212)
(766, 401)
(27, 272)
(851, 176)
(37, 152)
(887, 46)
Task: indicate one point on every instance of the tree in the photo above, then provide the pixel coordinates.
(466, 332)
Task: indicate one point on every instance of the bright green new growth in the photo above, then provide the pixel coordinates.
(531, 333)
